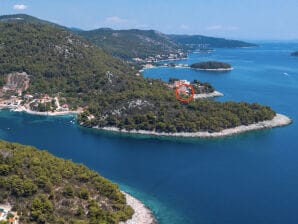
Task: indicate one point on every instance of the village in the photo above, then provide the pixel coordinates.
(8, 216)
(14, 96)
(30, 103)
(164, 57)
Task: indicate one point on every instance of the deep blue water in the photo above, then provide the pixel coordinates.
(249, 178)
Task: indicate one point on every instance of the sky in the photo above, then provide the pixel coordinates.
(243, 19)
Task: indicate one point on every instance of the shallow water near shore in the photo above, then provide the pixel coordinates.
(248, 178)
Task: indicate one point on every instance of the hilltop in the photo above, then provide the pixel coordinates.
(28, 19)
(60, 64)
(135, 44)
(45, 189)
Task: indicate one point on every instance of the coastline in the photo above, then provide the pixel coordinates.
(62, 113)
(48, 113)
(151, 66)
(142, 215)
(278, 121)
(208, 95)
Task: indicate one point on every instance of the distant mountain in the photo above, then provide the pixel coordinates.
(128, 44)
(193, 42)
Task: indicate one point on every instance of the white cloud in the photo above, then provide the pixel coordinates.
(115, 20)
(184, 27)
(222, 28)
(231, 28)
(214, 27)
(20, 7)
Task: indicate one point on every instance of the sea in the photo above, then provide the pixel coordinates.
(247, 178)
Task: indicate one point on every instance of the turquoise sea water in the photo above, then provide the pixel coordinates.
(249, 178)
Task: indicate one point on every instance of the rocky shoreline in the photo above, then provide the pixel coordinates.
(208, 95)
(142, 214)
(278, 121)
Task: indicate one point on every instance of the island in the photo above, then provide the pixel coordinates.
(37, 187)
(212, 66)
(48, 69)
(295, 53)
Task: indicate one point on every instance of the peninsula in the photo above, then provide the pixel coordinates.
(212, 66)
(278, 121)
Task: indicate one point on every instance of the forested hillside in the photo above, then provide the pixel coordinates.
(129, 44)
(45, 189)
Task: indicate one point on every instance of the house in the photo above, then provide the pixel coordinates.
(28, 96)
(181, 82)
(65, 107)
(2, 214)
(11, 221)
(7, 215)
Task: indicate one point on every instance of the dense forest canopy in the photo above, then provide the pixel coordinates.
(45, 189)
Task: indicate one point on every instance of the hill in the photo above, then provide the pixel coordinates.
(129, 44)
(60, 64)
(45, 189)
(55, 59)
(193, 42)
(28, 19)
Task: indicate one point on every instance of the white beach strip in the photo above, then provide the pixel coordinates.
(48, 113)
(277, 121)
(142, 215)
(23, 109)
(208, 95)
